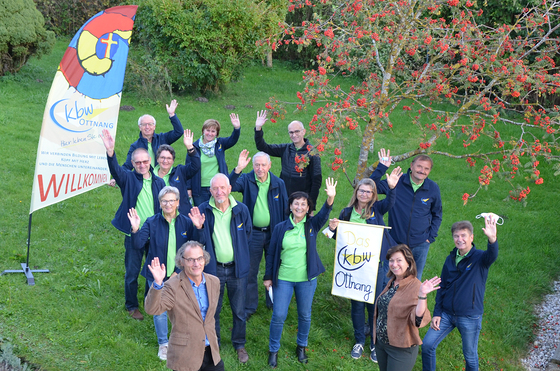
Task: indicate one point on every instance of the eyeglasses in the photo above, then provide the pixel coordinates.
(168, 202)
(191, 261)
(147, 124)
(294, 132)
(142, 162)
(162, 158)
(364, 192)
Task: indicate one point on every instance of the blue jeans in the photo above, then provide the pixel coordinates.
(468, 326)
(359, 307)
(237, 290)
(160, 324)
(132, 266)
(420, 253)
(204, 196)
(282, 293)
(259, 242)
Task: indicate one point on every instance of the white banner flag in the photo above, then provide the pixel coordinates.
(84, 99)
(356, 261)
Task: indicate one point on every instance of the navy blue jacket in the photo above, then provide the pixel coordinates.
(378, 209)
(312, 228)
(179, 177)
(156, 229)
(220, 152)
(416, 216)
(157, 140)
(462, 286)
(241, 229)
(277, 196)
(130, 183)
(308, 181)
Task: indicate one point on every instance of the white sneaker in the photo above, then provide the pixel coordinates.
(162, 352)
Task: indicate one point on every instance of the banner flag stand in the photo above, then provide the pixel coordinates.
(25, 266)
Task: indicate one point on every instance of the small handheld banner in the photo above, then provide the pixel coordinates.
(84, 99)
(356, 260)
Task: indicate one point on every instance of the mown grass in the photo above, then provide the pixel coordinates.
(74, 317)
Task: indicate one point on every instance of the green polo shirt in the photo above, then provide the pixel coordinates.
(415, 186)
(356, 217)
(208, 168)
(145, 203)
(221, 235)
(165, 177)
(294, 254)
(261, 213)
(171, 247)
(460, 257)
(151, 153)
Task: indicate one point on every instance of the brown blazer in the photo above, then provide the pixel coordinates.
(401, 314)
(187, 340)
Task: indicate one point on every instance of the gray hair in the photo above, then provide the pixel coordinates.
(139, 150)
(261, 154)
(297, 122)
(187, 245)
(169, 189)
(219, 175)
(146, 116)
(463, 224)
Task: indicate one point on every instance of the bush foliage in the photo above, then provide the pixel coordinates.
(198, 45)
(65, 17)
(22, 34)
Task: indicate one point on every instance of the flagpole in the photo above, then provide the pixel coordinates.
(25, 266)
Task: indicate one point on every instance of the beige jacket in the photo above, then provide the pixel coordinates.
(401, 314)
(187, 340)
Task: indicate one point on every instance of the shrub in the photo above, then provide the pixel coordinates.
(202, 44)
(22, 34)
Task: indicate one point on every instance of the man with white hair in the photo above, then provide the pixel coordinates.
(151, 141)
(266, 197)
(227, 231)
(307, 179)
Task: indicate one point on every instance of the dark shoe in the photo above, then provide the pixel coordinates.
(300, 353)
(273, 359)
(373, 355)
(357, 351)
(242, 355)
(136, 314)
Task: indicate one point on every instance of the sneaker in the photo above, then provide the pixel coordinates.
(357, 351)
(162, 352)
(373, 356)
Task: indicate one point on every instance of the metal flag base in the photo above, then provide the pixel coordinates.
(28, 273)
(25, 266)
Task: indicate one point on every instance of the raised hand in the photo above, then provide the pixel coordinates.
(235, 120)
(172, 107)
(429, 286)
(134, 220)
(331, 190)
(158, 270)
(108, 142)
(333, 224)
(490, 229)
(393, 178)
(261, 119)
(384, 157)
(197, 218)
(243, 161)
(188, 139)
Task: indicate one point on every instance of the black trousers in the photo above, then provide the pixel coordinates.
(208, 362)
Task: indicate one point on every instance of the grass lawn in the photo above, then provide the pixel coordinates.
(74, 317)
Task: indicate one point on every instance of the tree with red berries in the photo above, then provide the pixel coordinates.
(457, 80)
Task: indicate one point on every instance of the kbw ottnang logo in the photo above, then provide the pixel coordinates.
(352, 257)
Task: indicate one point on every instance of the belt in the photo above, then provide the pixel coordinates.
(262, 229)
(231, 263)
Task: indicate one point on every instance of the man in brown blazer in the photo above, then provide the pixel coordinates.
(190, 299)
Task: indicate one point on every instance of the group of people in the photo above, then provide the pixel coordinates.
(198, 240)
